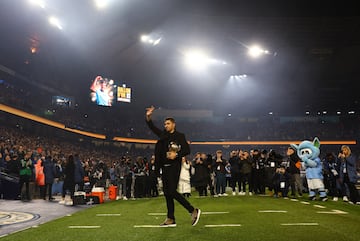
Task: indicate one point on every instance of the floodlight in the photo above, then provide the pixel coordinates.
(40, 3)
(156, 42)
(196, 59)
(55, 22)
(256, 51)
(101, 3)
(144, 38)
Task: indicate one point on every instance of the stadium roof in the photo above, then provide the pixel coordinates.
(312, 62)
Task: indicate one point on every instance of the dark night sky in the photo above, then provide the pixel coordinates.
(313, 63)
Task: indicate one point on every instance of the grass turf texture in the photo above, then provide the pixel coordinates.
(243, 210)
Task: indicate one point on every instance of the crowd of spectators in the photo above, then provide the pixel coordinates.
(131, 167)
(251, 172)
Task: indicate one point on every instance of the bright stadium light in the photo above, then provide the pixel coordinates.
(101, 3)
(238, 77)
(196, 59)
(55, 22)
(152, 39)
(40, 3)
(157, 41)
(256, 51)
(144, 38)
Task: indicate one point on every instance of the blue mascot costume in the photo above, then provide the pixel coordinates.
(309, 154)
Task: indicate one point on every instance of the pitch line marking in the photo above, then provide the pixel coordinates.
(319, 206)
(334, 211)
(108, 214)
(222, 225)
(306, 203)
(157, 214)
(152, 226)
(299, 224)
(272, 211)
(209, 213)
(86, 227)
(203, 213)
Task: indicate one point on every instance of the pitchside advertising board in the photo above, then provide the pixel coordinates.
(108, 92)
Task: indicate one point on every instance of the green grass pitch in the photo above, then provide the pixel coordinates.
(293, 221)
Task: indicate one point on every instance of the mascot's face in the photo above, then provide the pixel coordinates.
(308, 149)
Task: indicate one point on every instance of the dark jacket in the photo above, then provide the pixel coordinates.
(245, 166)
(293, 159)
(235, 164)
(201, 175)
(350, 164)
(79, 171)
(162, 145)
(49, 170)
(69, 180)
(219, 167)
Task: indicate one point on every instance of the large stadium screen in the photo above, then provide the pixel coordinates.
(124, 94)
(62, 101)
(106, 92)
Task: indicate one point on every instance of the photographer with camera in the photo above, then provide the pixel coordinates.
(348, 175)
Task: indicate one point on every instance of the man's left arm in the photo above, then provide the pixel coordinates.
(185, 148)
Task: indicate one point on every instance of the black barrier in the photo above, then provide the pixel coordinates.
(9, 186)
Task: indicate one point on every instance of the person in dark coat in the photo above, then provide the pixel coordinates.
(201, 175)
(169, 151)
(69, 180)
(49, 171)
(348, 174)
(79, 173)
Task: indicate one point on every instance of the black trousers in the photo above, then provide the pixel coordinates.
(235, 179)
(24, 179)
(170, 178)
(354, 196)
(48, 190)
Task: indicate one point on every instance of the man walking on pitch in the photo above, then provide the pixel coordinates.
(169, 150)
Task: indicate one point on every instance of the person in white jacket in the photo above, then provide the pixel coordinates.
(184, 186)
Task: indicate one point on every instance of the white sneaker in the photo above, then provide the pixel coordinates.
(233, 193)
(69, 203)
(62, 201)
(224, 194)
(335, 199)
(241, 193)
(216, 195)
(125, 198)
(345, 199)
(250, 193)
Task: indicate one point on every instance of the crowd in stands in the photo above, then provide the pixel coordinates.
(244, 172)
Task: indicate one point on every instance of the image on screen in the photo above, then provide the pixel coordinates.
(103, 91)
(124, 94)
